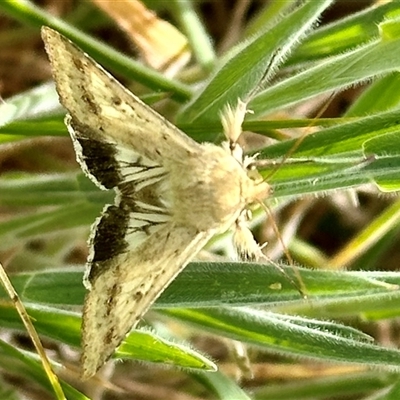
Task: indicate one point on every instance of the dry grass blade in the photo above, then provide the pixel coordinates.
(32, 333)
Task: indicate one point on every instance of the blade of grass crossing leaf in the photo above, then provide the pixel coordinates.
(32, 333)
(25, 365)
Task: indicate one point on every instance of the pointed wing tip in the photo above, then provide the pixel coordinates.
(90, 365)
(48, 34)
(45, 30)
(96, 346)
(86, 374)
(54, 43)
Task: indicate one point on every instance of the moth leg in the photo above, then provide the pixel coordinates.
(245, 244)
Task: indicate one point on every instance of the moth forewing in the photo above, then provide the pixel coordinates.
(128, 284)
(97, 100)
(173, 194)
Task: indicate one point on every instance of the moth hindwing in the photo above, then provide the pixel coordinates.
(172, 195)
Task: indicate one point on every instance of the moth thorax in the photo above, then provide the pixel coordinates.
(207, 188)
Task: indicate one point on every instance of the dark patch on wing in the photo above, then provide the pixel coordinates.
(110, 336)
(101, 162)
(99, 156)
(109, 240)
(77, 62)
(91, 103)
(116, 100)
(138, 295)
(112, 294)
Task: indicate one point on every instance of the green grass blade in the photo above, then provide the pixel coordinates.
(244, 71)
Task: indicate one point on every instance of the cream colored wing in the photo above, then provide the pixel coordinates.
(135, 248)
(96, 100)
(144, 255)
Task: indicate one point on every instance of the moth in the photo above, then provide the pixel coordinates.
(172, 194)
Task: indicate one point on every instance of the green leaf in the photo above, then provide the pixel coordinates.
(343, 383)
(334, 74)
(383, 148)
(382, 95)
(245, 70)
(345, 33)
(290, 335)
(215, 284)
(147, 346)
(28, 366)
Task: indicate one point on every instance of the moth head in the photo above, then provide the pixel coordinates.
(258, 189)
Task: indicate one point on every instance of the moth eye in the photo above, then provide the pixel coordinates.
(253, 174)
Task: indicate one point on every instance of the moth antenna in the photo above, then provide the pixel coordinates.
(300, 286)
(249, 249)
(300, 140)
